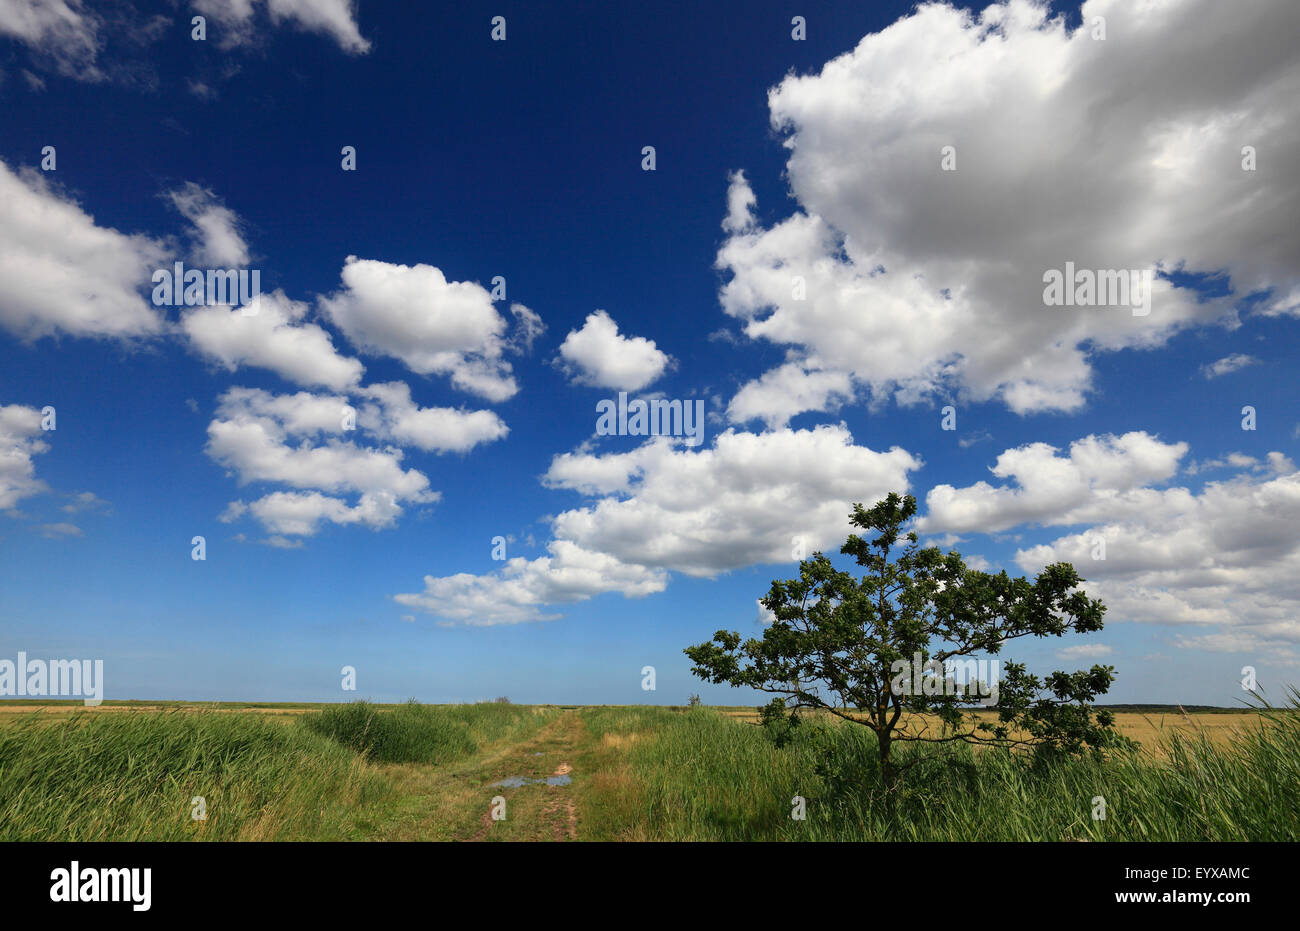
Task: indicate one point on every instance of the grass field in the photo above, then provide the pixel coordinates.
(133, 771)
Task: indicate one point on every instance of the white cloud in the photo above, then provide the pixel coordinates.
(1227, 556)
(306, 441)
(287, 513)
(1100, 476)
(87, 501)
(751, 499)
(1227, 365)
(61, 273)
(295, 440)
(302, 414)
(1273, 462)
(737, 504)
(434, 326)
(60, 531)
(528, 327)
(1085, 651)
(270, 333)
(740, 204)
(516, 592)
(21, 438)
(598, 355)
(783, 392)
(392, 415)
(218, 241)
(334, 18)
(62, 29)
(921, 281)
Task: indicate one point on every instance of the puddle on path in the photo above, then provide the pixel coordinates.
(514, 782)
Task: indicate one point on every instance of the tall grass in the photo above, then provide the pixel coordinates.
(133, 776)
(698, 775)
(647, 773)
(414, 733)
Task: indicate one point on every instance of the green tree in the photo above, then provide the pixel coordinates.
(850, 646)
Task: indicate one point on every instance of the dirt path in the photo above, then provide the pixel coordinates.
(456, 801)
(544, 807)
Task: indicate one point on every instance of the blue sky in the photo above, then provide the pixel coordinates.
(775, 158)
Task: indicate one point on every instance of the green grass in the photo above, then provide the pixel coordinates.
(361, 771)
(129, 776)
(698, 775)
(98, 776)
(414, 733)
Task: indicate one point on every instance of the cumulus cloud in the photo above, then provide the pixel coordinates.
(663, 507)
(918, 280)
(296, 513)
(518, 591)
(1227, 365)
(21, 438)
(1228, 557)
(789, 390)
(434, 326)
(60, 273)
(271, 333)
(1225, 557)
(297, 440)
(310, 442)
(1100, 475)
(390, 414)
(740, 503)
(600, 356)
(334, 18)
(218, 240)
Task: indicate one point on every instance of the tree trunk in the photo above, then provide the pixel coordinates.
(888, 774)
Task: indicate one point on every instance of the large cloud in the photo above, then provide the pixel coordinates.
(598, 355)
(1228, 556)
(434, 326)
(1122, 153)
(297, 440)
(310, 443)
(1100, 475)
(662, 507)
(60, 273)
(740, 503)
